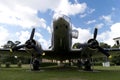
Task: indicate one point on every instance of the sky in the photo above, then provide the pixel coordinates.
(18, 17)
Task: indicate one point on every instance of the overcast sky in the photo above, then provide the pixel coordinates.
(18, 17)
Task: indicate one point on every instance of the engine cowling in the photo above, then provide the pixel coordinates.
(93, 43)
(32, 46)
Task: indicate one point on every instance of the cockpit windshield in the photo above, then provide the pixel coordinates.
(56, 17)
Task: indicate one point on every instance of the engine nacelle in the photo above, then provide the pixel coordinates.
(32, 46)
(93, 43)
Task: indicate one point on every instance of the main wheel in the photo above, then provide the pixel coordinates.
(36, 64)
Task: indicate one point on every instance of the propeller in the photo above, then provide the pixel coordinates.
(95, 33)
(32, 34)
(30, 43)
(103, 51)
(93, 43)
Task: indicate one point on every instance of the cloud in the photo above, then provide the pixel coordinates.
(113, 9)
(87, 12)
(49, 29)
(107, 19)
(108, 36)
(67, 8)
(45, 43)
(22, 16)
(90, 10)
(24, 13)
(4, 34)
(84, 35)
(83, 15)
(100, 25)
(91, 21)
(41, 5)
(23, 36)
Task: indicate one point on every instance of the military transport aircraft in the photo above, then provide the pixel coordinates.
(61, 44)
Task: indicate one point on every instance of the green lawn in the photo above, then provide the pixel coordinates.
(55, 73)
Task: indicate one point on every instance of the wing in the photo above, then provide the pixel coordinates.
(112, 49)
(84, 52)
(15, 53)
(50, 54)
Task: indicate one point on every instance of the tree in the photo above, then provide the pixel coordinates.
(115, 46)
(116, 60)
(76, 46)
(104, 45)
(116, 55)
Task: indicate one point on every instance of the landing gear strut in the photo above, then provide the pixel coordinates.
(87, 65)
(36, 64)
(84, 64)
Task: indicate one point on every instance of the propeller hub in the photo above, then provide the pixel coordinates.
(30, 43)
(93, 43)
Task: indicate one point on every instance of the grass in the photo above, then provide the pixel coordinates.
(57, 73)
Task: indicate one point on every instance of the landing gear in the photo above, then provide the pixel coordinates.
(87, 65)
(84, 64)
(80, 64)
(36, 64)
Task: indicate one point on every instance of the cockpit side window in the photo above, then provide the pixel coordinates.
(66, 26)
(56, 27)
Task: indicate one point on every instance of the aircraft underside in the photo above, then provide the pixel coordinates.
(61, 44)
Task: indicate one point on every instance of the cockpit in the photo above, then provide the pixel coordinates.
(62, 16)
(75, 34)
(63, 22)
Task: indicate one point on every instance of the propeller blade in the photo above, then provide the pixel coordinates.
(103, 51)
(95, 33)
(18, 47)
(32, 34)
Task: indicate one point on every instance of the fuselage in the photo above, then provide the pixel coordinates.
(62, 38)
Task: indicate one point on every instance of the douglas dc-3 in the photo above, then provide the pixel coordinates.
(61, 44)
